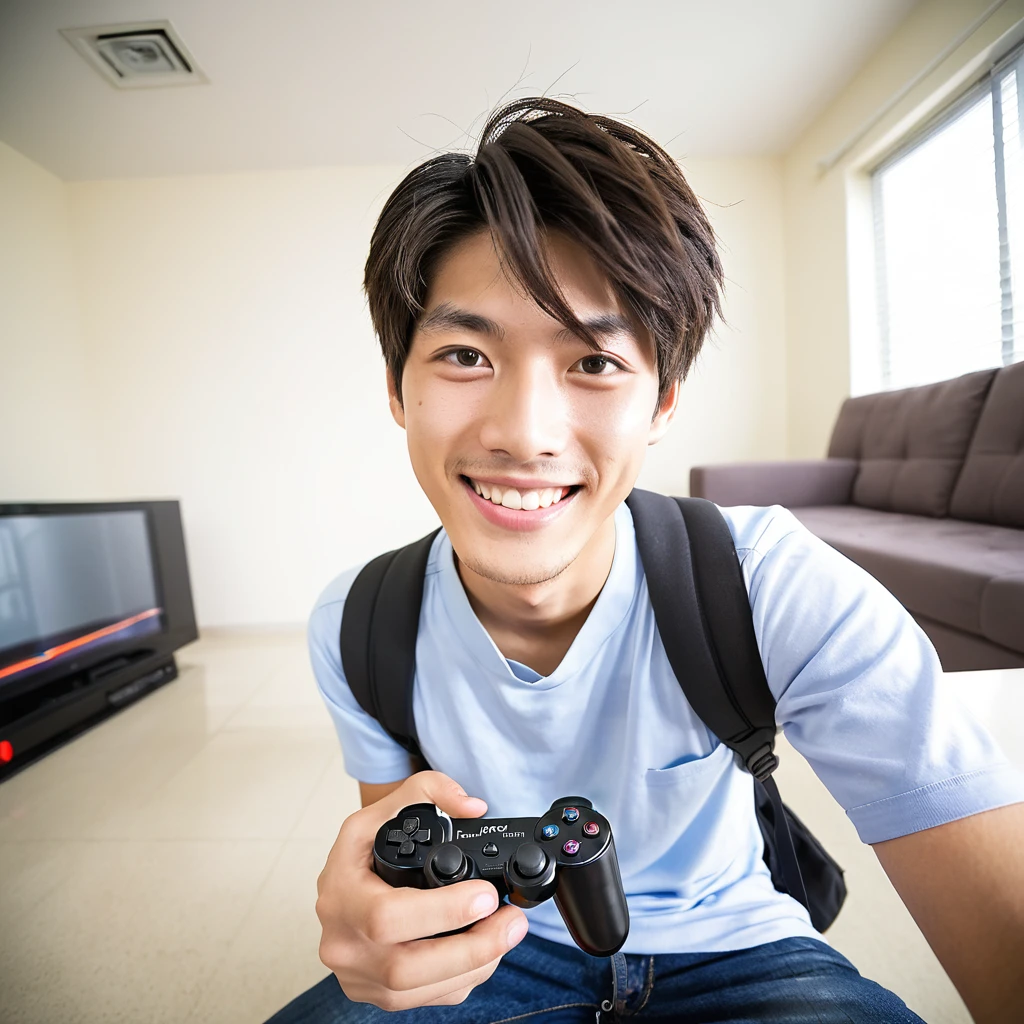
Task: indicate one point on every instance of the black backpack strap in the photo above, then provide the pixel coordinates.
(378, 637)
(702, 582)
(693, 574)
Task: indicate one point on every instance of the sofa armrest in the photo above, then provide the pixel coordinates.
(793, 483)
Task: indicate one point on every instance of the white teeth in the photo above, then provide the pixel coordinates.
(528, 501)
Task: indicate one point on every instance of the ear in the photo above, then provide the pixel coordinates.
(397, 412)
(666, 411)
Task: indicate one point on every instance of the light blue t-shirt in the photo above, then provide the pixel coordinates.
(860, 694)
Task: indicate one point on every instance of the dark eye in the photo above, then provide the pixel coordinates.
(594, 365)
(468, 357)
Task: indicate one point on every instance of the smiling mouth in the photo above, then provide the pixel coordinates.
(526, 501)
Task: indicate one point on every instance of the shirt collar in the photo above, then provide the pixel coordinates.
(609, 611)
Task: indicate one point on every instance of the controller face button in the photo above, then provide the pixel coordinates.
(571, 847)
(549, 831)
(448, 861)
(571, 814)
(410, 825)
(531, 860)
(407, 849)
(490, 850)
(591, 828)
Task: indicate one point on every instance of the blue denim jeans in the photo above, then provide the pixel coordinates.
(794, 980)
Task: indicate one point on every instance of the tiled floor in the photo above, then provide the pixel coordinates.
(162, 867)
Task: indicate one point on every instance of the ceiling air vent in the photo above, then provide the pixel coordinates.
(137, 55)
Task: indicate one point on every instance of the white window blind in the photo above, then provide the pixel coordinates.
(949, 233)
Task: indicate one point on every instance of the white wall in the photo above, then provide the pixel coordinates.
(47, 449)
(223, 316)
(829, 256)
(733, 404)
(206, 338)
(228, 338)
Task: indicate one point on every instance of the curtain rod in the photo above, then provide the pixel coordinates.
(828, 162)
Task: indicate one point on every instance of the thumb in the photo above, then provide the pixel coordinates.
(438, 788)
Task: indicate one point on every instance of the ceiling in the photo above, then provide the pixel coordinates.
(323, 82)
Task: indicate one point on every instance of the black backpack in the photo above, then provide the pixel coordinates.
(702, 611)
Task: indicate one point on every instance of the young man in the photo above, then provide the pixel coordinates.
(538, 306)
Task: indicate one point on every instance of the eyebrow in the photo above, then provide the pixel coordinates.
(448, 316)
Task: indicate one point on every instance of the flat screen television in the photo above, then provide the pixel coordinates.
(94, 600)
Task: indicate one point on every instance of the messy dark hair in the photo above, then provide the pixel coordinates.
(543, 165)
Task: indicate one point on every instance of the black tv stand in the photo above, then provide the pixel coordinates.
(73, 704)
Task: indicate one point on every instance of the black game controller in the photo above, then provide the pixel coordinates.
(568, 853)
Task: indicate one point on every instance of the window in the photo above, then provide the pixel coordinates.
(949, 236)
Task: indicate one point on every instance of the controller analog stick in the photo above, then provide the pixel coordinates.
(531, 860)
(448, 861)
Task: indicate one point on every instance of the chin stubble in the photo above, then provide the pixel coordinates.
(494, 575)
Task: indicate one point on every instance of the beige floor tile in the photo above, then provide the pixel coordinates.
(182, 708)
(996, 699)
(274, 956)
(243, 784)
(874, 930)
(132, 933)
(288, 698)
(162, 867)
(224, 679)
(335, 797)
(29, 872)
(314, 721)
(80, 789)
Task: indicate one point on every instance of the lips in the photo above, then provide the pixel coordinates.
(518, 519)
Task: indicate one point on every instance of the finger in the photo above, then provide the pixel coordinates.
(434, 961)
(432, 788)
(443, 993)
(467, 983)
(401, 915)
(360, 828)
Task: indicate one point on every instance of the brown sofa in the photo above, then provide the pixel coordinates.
(924, 488)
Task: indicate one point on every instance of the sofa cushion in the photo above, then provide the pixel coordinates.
(966, 575)
(967, 652)
(991, 484)
(911, 443)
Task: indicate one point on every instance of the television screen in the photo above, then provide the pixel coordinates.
(72, 585)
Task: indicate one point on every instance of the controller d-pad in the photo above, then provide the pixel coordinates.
(407, 849)
(400, 836)
(411, 825)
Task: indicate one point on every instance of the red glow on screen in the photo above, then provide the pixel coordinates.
(6, 751)
(71, 645)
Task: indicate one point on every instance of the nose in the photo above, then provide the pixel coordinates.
(527, 416)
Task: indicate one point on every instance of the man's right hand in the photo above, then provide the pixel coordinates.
(376, 939)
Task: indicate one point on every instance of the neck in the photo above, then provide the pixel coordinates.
(536, 623)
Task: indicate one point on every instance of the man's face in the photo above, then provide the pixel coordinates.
(499, 398)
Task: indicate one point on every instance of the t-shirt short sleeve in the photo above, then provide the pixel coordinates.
(860, 690)
(370, 754)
